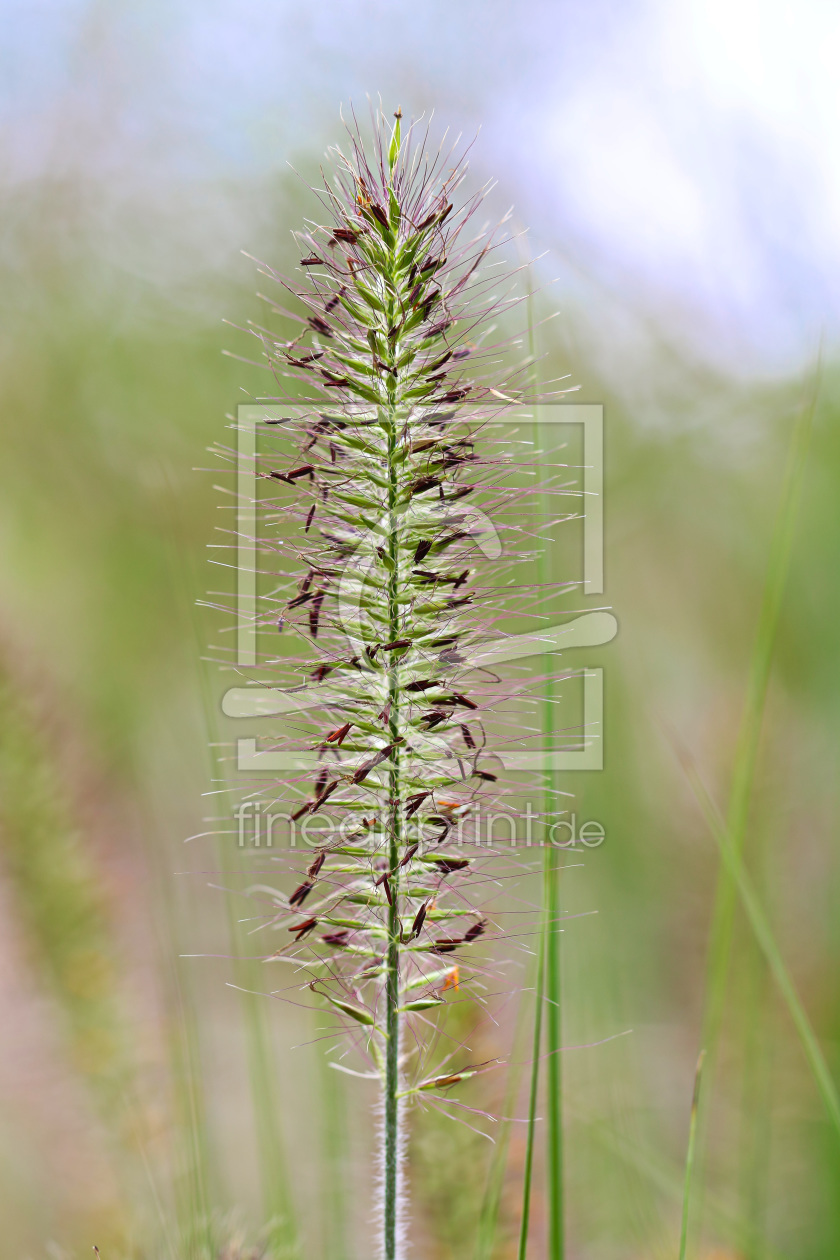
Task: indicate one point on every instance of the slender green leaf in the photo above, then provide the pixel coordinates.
(689, 1158)
(551, 877)
(491, 1202)
(720, 940)
(532, 1099)
(764, 936)
(747, 750)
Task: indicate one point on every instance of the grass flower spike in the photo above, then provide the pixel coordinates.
(397, 292)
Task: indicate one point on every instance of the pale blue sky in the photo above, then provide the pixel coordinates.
(682, 156)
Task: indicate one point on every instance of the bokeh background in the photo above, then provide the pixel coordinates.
(677, 166)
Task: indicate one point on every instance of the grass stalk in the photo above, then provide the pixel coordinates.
(551, 878)
(281, 1229)
(525, 1219)
(392, 986)
(282, 1237)
(764, 936)
(489, 1218)
(194, 1202)
(281, 1233)
(756, 1117)
(657, 1172)
(689, 1158)
(746, 754)
(720, 942)
(553, 1047)
(334, 1146)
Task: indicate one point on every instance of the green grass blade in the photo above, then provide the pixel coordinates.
(651, 1166)
(532, 1099)
(336, 1158)
(554, 1046)
(281, 1231)
(764, 936)
(720, 943)
(551, 877)
(196, 1188)
(689, 1158)
(720, 938)
(756, 1137)
(491, 1202)
(194, 1191)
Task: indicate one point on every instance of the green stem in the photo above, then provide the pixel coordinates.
(689, 1158)
(392, 987)
(334, 1144)
(554, 1045)
(532, 1101)
(282, 1235)
(756, 1118)
(750, 732)
(551, 888)
(763, 933)
(726, 895)
(491, 1203)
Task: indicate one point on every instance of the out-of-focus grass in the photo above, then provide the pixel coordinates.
(61, 908)
(280, 1226)
(61, 902)
(746, 754)
(764, 936)
(112, 386)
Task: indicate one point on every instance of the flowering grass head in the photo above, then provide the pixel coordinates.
(397, 288)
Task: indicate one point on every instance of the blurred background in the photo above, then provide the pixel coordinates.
(677, 167)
